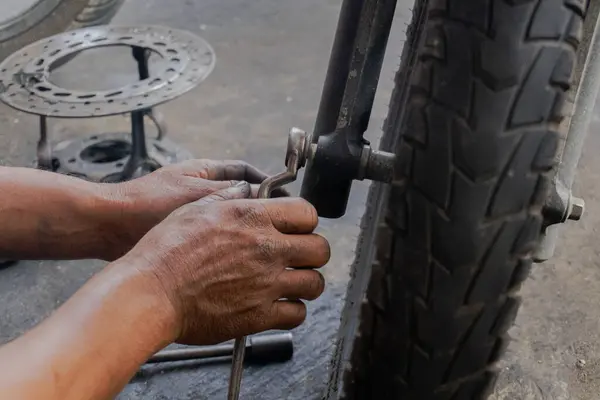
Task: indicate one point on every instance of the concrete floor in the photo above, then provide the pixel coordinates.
(272, 56)
(14, 8)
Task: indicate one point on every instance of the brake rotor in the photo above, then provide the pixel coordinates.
(101, 158)
(185, 61)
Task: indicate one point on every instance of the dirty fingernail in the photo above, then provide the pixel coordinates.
(245, 188)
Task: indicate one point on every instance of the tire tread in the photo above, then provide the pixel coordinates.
(475, 146)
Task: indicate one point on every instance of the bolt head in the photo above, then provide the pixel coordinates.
(577, 209)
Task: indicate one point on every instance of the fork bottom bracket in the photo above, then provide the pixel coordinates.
(103, 157)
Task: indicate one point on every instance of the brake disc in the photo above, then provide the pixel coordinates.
(185, 61)
(101, 158)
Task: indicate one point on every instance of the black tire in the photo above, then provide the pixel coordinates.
(474, 121)
(49, 17)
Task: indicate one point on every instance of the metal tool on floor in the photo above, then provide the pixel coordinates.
(298, 152)
(264, 349)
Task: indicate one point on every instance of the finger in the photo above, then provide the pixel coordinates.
(308, 251)
(291, 215)
(211, 186)
(286, 315)
(215, 170)
(301, 284)
(241, 190)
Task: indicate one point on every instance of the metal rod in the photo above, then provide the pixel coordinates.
(339, 68)
(237, 369)
(347, 101)
(380, 166)
(142, 55)
(297, 153)
(587, 89)
(239, 349)
(585, 100)
(366, 64)
(193, 353)
(139, 151)
(44, 151)
(270, 348)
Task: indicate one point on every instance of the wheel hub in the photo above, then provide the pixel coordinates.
(101, 158)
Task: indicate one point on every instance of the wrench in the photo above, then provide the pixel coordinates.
(299, 150)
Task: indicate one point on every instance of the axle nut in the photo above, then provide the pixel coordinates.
(577, 209)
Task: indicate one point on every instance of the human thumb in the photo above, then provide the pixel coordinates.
(240, 190)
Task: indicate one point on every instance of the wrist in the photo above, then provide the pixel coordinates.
(126, 213)
(106, 208)
(101, 336)
(146, 300)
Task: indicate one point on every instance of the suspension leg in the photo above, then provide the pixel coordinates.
(139, 151)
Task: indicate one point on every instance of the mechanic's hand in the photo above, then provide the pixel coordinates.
(148, 200)
(224, 267)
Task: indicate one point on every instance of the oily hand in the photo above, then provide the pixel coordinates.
(225, 268)
(146, 201)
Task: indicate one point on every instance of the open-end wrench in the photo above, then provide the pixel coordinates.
(298, 151)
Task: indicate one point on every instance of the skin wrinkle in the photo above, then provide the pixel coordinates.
(264, 252)
(223, 280)
(48, 230)
(161, 289)
(201, 263)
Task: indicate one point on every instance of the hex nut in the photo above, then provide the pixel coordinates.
(577, 209)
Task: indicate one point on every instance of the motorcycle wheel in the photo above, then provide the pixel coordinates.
(48, 17)
(474, 122)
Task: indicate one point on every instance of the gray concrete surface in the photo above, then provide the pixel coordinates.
(13, 8)
(272, 56)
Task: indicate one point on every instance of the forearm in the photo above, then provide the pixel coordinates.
(45, 215)
(92, 346)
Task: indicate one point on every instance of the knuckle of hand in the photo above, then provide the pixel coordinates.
(268, 247)
(178, 213)
(186, 211)
(200, 167)
(236, 167)
(219, 196)
(241, 164)
(248, 213)
(282, 247)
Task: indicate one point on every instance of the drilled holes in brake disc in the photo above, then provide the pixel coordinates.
(183, 61)
(101, 158)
